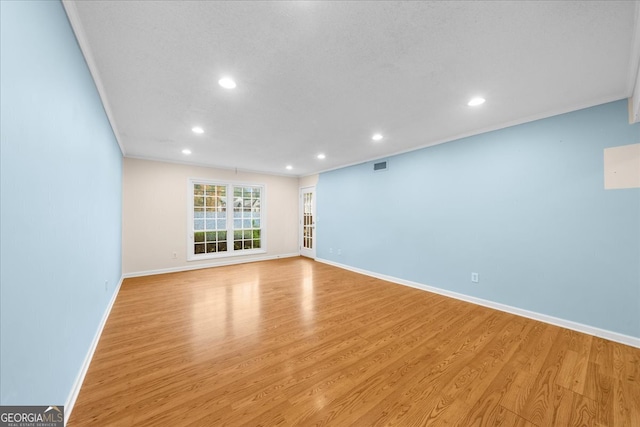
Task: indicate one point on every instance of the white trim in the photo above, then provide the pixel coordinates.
(230, 219)
(579, 327)
(568, 324)
(78, 30)
(221, 263)
(213, 166)
(77, 384)
(481, 131)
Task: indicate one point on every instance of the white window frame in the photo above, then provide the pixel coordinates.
(230, 252)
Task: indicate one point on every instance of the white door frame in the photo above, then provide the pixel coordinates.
(307, 243)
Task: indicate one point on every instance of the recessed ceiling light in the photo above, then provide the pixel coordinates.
(321, 156)
(377, 137)
(186, 151)
(289, 167)
(475, 102)
(197, 129)
(227, 83)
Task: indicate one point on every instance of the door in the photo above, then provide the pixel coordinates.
(308, 222)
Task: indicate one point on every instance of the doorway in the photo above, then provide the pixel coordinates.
(308, 222)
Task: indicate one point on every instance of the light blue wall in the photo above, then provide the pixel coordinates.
(525, 207)
(61, 172)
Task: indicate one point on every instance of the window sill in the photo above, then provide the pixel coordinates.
(218, 255)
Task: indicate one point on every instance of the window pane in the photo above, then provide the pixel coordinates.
(210, 217)
(247, 217)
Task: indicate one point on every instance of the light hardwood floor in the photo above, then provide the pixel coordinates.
(296, 342)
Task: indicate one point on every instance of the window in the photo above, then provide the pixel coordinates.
(225, 219)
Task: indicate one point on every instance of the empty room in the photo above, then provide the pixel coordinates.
(342, 213)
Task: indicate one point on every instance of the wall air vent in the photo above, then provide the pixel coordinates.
(380, 166)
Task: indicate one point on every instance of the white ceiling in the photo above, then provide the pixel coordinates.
(324, 77)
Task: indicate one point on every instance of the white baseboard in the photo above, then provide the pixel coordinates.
(220, 263)
(568, 324)
(579, 327)
(75, 390)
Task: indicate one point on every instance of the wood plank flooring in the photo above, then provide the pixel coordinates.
(296, 342)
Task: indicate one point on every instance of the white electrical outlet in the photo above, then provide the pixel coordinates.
(174, 255)
(330, 250)
(106, 285)
(339, 251)
(475, 278)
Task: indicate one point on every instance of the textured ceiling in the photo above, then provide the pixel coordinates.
(324, 76)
